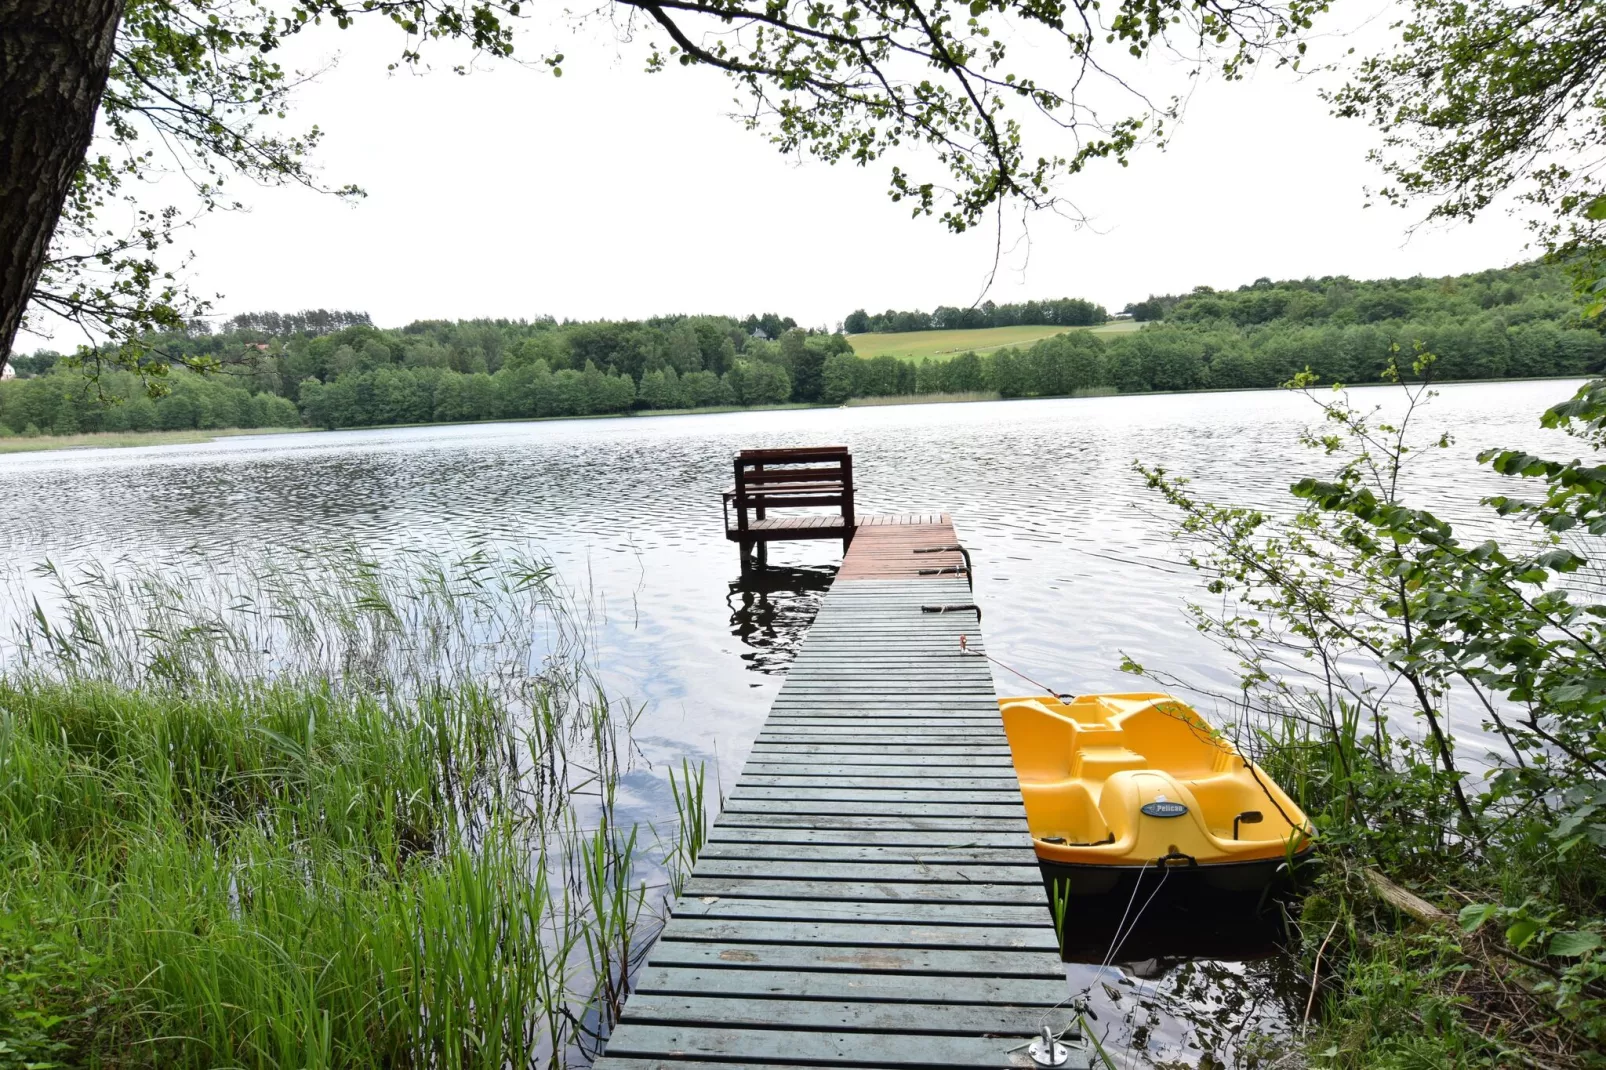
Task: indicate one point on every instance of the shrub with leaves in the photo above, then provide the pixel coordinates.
(1362, 623)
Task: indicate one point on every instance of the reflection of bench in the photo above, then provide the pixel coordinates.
(808, 477)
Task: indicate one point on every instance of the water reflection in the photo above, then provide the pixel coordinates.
(1206, 1013)
(771, 610)
(1197, 980)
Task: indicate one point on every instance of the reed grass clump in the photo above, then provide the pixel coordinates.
(325, 814)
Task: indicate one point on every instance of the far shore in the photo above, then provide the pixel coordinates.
(116, 439)
(113, 439)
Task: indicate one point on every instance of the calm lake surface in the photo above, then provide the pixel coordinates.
(1074, 558)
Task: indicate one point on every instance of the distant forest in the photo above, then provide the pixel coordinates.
(1065, 312)
(336, 369)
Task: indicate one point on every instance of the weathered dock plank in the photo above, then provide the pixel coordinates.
(828, 855)
(867, 912)
(832, 941)
(756, 1047)
(937, 1018)
(868, 897)
(933, 842)
(986, 962)
(904, 870)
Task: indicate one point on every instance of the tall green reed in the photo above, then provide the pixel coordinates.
(320, 810)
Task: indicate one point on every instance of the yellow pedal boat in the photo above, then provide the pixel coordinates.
(1117, 784)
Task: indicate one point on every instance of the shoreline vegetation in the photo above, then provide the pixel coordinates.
(134, 439)
(924, 399)
(1457, 914)
(335, 370)
(316, 810)
(128, 439)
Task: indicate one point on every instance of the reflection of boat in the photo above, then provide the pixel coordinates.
(1118, 784)
(1179, 927)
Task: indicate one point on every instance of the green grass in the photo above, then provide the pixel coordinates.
(710, 409)
(316, 813)
(109, 439)
(940, 345)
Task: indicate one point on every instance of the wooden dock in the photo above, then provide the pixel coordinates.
(868, 897)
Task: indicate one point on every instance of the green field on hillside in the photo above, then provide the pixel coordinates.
(940, 345)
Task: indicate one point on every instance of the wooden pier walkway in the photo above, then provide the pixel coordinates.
(868, 897)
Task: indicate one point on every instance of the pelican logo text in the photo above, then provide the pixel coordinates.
(1161, 808)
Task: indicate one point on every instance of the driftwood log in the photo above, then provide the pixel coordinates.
(1403, 901)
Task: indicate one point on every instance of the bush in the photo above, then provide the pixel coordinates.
(1401, 624)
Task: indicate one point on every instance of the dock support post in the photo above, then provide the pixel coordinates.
(849, 522)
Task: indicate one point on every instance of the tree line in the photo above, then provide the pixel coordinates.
(1513, 322)
(335, 369)
(1065, 312)
(824, 369)
(1165, 357)
(1524, 292)
(60, 402)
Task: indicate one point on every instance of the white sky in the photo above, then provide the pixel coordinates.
(611, 193)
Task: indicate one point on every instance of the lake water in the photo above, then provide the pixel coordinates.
(1075, 562)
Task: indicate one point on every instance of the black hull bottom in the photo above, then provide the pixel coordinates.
(1227, 911)
(1230, 878)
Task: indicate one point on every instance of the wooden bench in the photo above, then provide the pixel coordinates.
(806, 477)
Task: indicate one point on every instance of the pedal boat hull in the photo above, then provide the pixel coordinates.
(1120, 786)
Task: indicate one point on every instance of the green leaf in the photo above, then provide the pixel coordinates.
(1474, 915)
(1568, 844)
(1573, 944)
(1521, 932)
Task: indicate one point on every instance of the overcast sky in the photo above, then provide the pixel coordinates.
(611, 193)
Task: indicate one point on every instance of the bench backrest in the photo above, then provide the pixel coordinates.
(808, 464)
(809, 476)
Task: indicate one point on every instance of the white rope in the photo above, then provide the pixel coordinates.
(1116, 943)
(1165, 871)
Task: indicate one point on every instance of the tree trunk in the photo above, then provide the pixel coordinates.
(54, 59)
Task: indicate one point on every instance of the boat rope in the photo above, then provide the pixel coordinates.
(964, 648)
(1122, 931)
(1165, 871)
(1249, 765)
(1116, 939)
(1138, 995)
